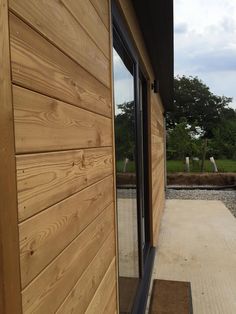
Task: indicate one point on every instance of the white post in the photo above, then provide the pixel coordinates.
(212, 160)
(187, 163)
(125, 164)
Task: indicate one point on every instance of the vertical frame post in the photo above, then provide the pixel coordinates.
(10, 296)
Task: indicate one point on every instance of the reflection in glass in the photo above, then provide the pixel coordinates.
(126, 168)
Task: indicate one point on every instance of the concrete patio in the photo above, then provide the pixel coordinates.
(198, 244)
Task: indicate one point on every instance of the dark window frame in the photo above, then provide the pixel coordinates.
(146, 256)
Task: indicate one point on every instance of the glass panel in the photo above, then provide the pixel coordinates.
(126, 174)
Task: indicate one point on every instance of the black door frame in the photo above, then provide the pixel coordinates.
(146, 258)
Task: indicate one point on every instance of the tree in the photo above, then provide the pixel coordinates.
(125, 131)
(182, 141)
(194, 101)
(223, 143)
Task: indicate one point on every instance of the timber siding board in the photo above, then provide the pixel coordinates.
(111, 306)
(52, 19)
(10, 297)
(81, 295)
(157, 153)
(45, 235)
(86, 15)
(158, 215)
(61, 75)
(102, 7)
(61, 84)
(104, 292)
(39, 66)
(47, 291)
(45, 124)
(45, 179)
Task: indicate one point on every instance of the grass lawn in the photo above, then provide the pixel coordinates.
(120, 166)
(222, 165)
(178, 166)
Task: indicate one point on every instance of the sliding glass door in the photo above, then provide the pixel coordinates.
(130, 97)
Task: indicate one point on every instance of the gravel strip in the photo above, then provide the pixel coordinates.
(228, 197)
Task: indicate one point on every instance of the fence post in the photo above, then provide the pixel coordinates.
(212, 160)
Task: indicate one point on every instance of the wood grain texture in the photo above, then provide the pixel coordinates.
(10, 297)
(63, 131)
(32, 56)
(45, 235)
(81, 295)
(47, 291)
(158, 195)
(157, 157)
(104, 291)
(103, 10)
(55, 22)
(111, 306)
(86, 15)
(45, 179)
(45, 124)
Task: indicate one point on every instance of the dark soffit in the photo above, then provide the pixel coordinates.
(156, 22)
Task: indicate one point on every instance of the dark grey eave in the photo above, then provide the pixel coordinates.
(156, 22)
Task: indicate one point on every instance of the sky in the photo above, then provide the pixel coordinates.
(205, 43)
(123, 87)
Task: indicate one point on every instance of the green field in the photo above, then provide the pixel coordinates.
(178, 166)
(120, 166)
(222, 165)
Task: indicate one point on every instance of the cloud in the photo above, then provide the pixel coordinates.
(181, 28)
(215, 61)
(208, 47)
(228, 24)
(123, 81)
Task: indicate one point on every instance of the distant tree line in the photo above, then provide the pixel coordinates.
(125, 131)
(200, 122)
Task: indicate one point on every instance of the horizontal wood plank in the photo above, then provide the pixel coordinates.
(45, 179)
(103, 292)
(45, 124)
(80, 296)
(45, 235)
(159, 206)
(86, 14)
(47, 291)
(111, 306)
(40, 66)
(102, 8)
(157, 142)
(52, 19)
(157, 103)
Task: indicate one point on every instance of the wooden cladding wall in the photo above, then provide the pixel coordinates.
(156, 134)
(157, 165)
(61, 87)
(10, 298)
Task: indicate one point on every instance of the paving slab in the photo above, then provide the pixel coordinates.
(198, 244)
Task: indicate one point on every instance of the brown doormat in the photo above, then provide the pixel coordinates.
(171, 297)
